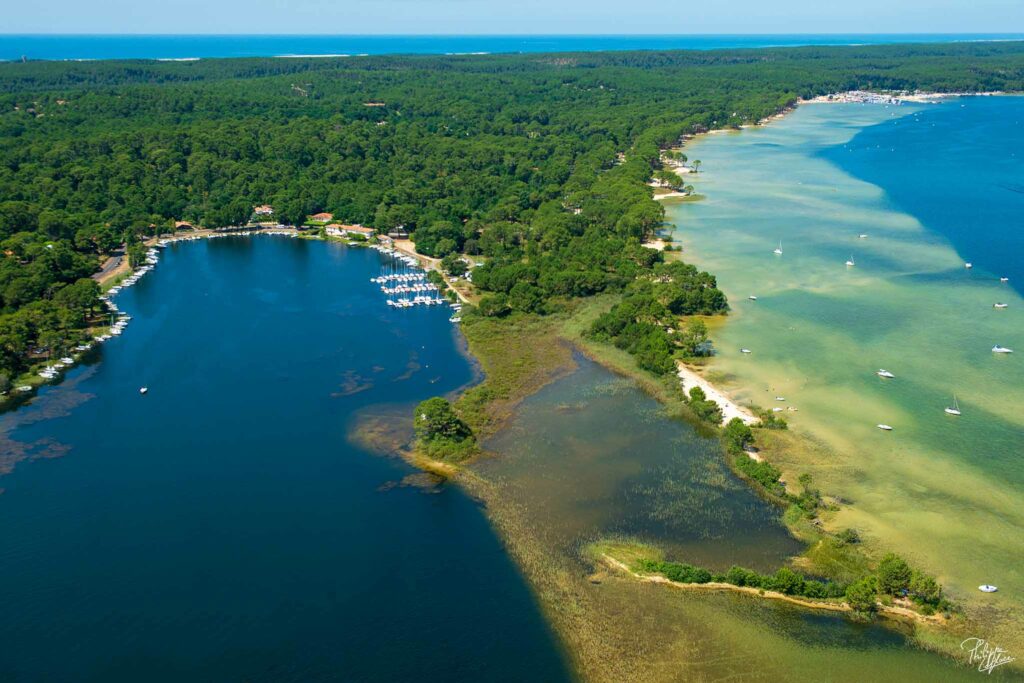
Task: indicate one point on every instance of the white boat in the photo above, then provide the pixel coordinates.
(777, 409)
(999, 305)
(1001, 349)
(1004, 279)
(780, 398)
(987, 588)
(955, 410)
(143, 390)
(968, 265)
(744, 350)
(885, 373)
(885, 428)
(850, 263)
(862, 236)
(752, 297)
(24, 388)
(778, 249)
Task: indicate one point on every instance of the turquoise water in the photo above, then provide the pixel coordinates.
(224, 527)
(192, 46)
(932, 187)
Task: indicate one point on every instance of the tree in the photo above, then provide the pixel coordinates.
(737, 435)
(893, 575)
(493, 305)
(435, 418)
(787, 581)
(862, 595)
(693, 341)
(453, 264)
(925, 589)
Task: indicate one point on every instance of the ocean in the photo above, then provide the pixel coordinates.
(14, 47)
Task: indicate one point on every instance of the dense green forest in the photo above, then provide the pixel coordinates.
(537, 162)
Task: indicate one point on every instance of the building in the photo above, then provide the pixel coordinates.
(183, 225)
(399, 233)
(322, 217)
(263, 210)
(340, 230)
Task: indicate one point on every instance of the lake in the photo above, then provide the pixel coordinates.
(225, 526)
(931, 187)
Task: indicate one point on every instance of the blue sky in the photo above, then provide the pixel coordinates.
(513, 16)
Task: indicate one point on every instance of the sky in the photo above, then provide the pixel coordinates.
(513, 16)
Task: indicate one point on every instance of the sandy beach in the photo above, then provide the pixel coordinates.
(689, 378)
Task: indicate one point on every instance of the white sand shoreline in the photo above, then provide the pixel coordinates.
(690, 378)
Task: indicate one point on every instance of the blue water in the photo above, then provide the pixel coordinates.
(192, 46)
(224, 527)
(959, 169)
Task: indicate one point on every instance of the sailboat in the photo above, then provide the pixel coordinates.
(850, 262)
(955, 410)
(778, 249)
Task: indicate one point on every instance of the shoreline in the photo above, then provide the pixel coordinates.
(887, 611)
(689, 378)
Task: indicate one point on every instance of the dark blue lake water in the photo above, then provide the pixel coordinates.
(224, 527)
(192, 46)
(958, 168)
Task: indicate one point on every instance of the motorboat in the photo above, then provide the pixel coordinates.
(968, 265)
(886, 374)
(988, 588)
(885, 428)
(143, 390)
(744, 350)
(999, 305)
(1001, 349)
(752, 297)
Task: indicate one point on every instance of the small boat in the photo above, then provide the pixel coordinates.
(778, 249)
(780, 398)
(885, 428)
(999, 305)
(955, 410)
(988, 588)
(25, 387)
(143, 390)
(885, 373)
(862, 236)
(1004, 279)
(744, 350)
(968, 265)
(850, 262)
(752, 297)
(777, 410)
(1001, 349)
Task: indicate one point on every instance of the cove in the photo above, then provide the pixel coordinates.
(591, 456)
(225, 526)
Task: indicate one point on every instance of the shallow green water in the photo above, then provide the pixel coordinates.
(946, 491)
(591, 456)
